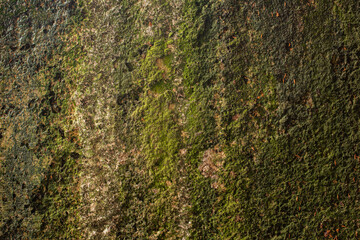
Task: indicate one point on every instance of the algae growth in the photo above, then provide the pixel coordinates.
(167, 119)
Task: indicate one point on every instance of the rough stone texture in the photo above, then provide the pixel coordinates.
(167, 119)
(30, 36)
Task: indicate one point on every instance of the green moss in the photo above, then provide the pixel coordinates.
(198, 120)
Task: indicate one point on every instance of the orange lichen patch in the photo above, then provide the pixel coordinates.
(222, 66)
(185, 134)
(211, 162)
(183, 151)
(171, 47)
(236, 117)
(309, 102)
(171, 106)
(160, 64)
(284, 78)
(311, 3)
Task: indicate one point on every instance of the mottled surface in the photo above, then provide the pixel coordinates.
(166, 119)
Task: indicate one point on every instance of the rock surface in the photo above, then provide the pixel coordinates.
(168, 119)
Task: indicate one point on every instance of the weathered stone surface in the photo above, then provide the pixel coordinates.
(167, 119)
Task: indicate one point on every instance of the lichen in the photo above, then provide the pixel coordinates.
(161, 119)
